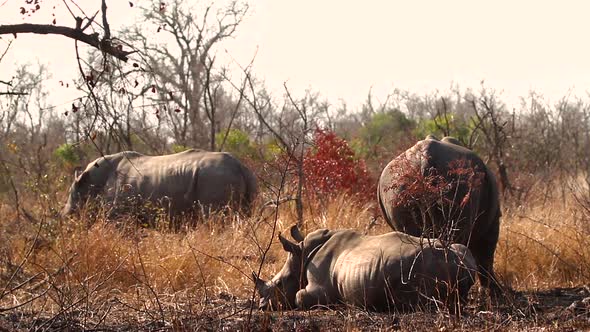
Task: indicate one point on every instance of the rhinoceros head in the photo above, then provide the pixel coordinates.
(279, 293)
(77, 189)
(86, 184)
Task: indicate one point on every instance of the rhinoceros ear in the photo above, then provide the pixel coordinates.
(431, 136)
(290, 246)
(296, 234)
(77, 172)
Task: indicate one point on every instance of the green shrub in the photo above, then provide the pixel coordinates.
(176, 148)
(66, 155)
(457, 126)
(237, 142)
(388, 129)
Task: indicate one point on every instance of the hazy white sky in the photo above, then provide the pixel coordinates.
(342, 48)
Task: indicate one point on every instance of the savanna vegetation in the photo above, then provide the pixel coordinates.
(157, 88)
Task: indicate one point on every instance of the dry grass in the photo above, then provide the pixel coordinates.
(543, 247)
(99, 271)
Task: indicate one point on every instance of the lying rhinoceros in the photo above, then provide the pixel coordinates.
(177, 182)
(393, 271)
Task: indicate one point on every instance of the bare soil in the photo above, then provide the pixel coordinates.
(559, 309)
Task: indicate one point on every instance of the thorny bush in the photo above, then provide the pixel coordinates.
(413, 186)
(432, 194)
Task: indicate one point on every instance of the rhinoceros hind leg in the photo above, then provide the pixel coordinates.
(485, 267)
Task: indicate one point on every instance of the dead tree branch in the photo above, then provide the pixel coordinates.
(76, 34)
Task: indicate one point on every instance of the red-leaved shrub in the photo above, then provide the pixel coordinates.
(331, 168)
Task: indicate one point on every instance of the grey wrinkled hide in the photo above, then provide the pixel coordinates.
(473, 221)
(388, 272)
(176, 182)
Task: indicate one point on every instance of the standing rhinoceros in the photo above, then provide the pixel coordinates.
(393, 271)
(441, 189)
(177, 182)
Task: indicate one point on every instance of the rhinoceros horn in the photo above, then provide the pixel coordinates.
(259, 282)
(296, 234)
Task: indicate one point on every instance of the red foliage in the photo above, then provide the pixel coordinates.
(331, 168)
(413, 187)
(464, 172)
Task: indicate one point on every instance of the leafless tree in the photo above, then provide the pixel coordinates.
(179, 56)
(495, 124)
(29, 132)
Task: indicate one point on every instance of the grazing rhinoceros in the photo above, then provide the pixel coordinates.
(393, 271)
(176, 182)
(441, 189)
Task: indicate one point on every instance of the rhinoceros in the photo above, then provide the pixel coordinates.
(442, 189)
(176, 182)
(389, 272)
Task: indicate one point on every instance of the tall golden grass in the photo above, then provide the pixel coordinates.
(544, 245)
(91, 260)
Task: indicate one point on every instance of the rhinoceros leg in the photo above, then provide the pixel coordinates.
(483, 252)
(311, 296)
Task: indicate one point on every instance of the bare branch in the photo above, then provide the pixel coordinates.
(105, 23)
(76, 34)
(12, 93)
(4, 53)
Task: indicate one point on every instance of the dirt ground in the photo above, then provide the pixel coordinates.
(560, 309)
